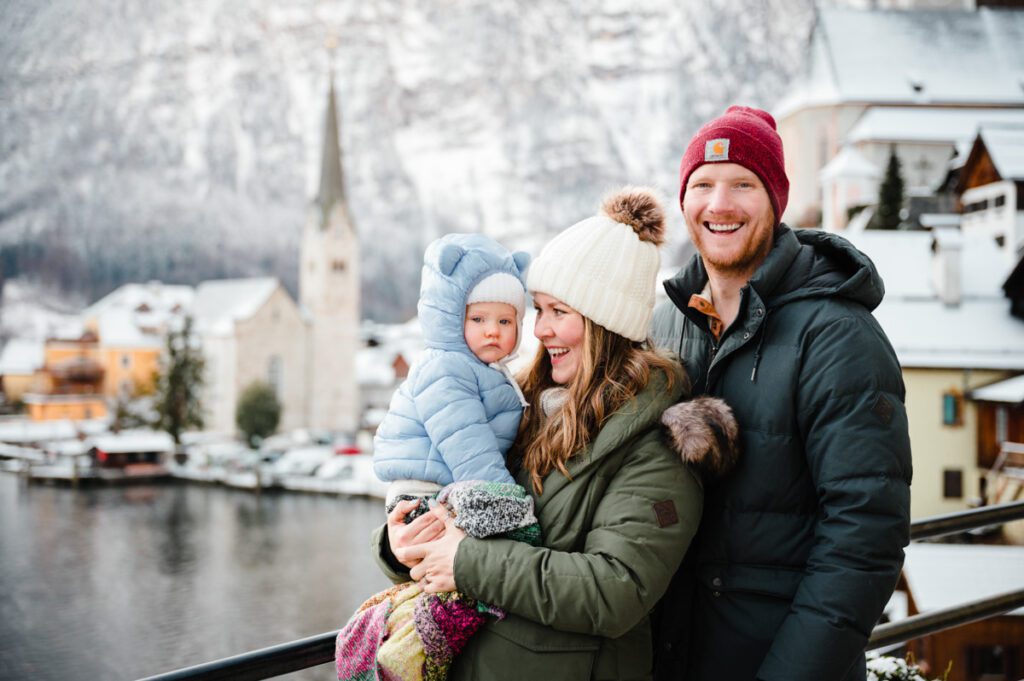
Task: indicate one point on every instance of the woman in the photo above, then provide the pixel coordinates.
(616, 508)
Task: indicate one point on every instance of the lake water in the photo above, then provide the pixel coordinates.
(125, 582)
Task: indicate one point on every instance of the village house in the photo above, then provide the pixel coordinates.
(69, 384)
(934, 578)
(131, 325)
(991, 188)
(935, 67)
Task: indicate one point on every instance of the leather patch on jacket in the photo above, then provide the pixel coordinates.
(883, 409)
(666, 513)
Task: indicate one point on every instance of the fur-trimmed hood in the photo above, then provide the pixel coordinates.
(704, 433)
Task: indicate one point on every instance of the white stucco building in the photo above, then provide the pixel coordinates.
(921, 80)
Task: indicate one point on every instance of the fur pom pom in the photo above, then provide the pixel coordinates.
(639, 208)
(705, 434)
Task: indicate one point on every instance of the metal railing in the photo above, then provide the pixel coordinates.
(316, 650)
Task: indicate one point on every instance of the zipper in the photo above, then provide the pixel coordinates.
(711, 362)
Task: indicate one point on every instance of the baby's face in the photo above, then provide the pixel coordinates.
(491, 330)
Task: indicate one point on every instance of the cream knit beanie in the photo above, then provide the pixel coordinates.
(500, 287)
(605, 267)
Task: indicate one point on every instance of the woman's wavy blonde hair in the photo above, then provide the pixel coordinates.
(612, 370)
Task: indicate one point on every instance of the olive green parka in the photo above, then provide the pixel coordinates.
(614, 533)
(801, 545)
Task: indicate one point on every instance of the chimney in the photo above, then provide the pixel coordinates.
(947, 243)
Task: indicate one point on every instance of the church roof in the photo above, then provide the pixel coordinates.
(332, 188)
(918, 57)
(222, 302)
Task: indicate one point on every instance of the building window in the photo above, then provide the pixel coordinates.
(952, 409)
(993, 662)
(274, 374)
(126, 360)
(999, 201)
(1002, 425)
(338, 265)
(952, 483)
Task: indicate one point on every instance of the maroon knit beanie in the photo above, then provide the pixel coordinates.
(747, 137)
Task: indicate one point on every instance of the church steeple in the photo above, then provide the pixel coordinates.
(329, 292)
(332, 188)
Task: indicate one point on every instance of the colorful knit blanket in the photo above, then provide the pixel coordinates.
(403, 634)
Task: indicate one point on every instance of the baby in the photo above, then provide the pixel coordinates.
(457, 413)
(445, 436)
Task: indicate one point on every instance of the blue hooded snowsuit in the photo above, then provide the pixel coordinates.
(454, 417)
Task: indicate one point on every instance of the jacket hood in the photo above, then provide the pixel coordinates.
(804, 263)
(452, 266)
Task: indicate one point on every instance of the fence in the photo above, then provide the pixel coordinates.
(316, 650)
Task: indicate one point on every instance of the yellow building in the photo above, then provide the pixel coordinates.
(69, 383)
(944, 436)
(131, 324)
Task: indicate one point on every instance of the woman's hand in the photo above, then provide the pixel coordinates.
(435, 561)
(427, 527)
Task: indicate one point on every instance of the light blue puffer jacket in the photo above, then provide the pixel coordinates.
(454, 417)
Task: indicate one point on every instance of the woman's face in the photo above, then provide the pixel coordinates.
(560, 330)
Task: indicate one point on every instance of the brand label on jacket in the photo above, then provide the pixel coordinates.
(666, 513)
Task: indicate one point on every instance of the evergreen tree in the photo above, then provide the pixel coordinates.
(258, 412)
(890, 195)
(178, 383)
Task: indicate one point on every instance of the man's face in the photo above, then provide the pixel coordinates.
(730, 219)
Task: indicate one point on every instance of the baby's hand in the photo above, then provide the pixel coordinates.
(401, 536)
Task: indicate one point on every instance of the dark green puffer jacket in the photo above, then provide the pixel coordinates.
(801, 545)
(613, 536)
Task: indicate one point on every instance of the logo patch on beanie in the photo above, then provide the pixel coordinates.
(716, 150)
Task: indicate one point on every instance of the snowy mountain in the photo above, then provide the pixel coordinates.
(181, 140)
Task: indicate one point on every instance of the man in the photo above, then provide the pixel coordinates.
(801, 544)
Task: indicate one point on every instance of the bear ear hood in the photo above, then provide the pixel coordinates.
(452, 266)
(522, 261)
(448, 258)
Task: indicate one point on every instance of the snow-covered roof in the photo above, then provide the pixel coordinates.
(904, 259)
(374, 365)
(26, 431)
(939, 220)
(912, 57)
(121, 327)
(220, 303)
(936, 573)
(133, 441)
(1005, 146)
(136, 315)
(21, 356)
(917, 124)
(156, 296)
(1010, 391)
(849, 163)
(977, 333)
